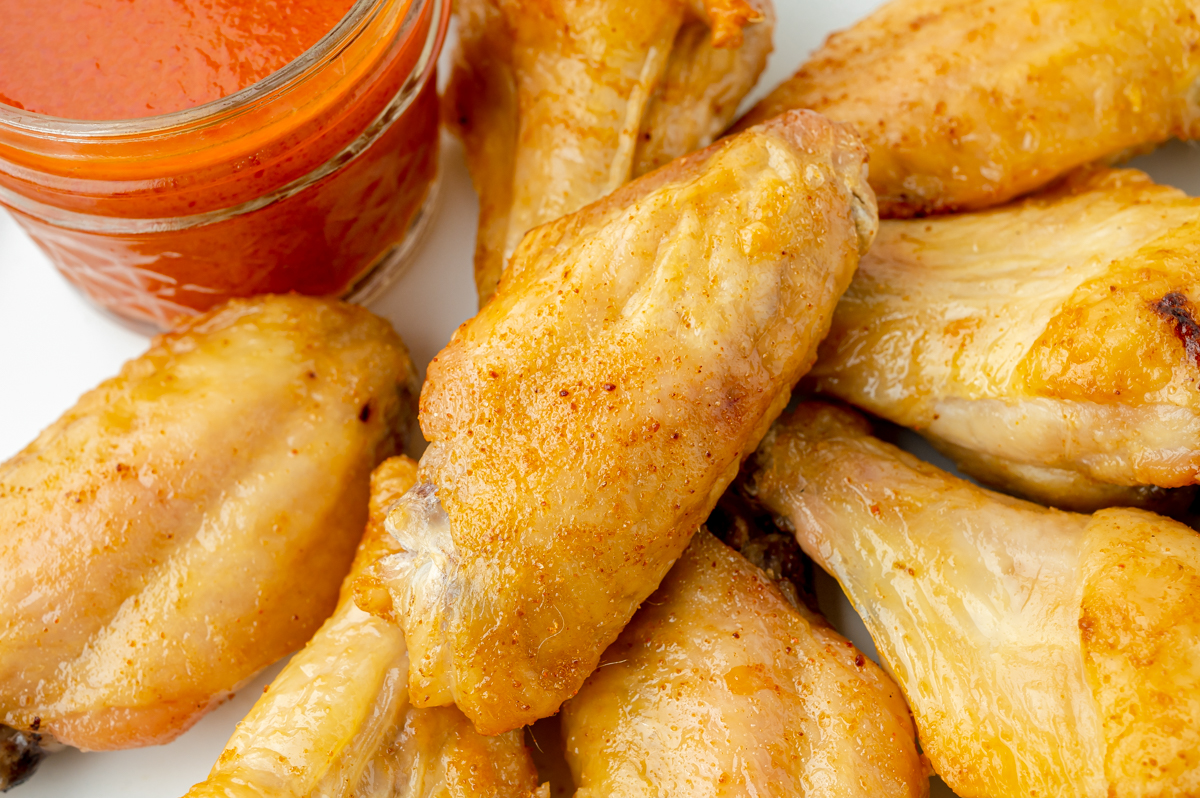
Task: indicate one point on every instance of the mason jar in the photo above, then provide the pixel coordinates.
(316, 179)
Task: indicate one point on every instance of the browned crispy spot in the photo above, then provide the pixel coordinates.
(1174, 307)
(20, 755)
(747, 529)
(728, 18)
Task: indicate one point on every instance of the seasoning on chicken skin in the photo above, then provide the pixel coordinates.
(188, 522)
(583, 425)
(560, 102)
(1042, 652)
(337, 723)
(965, 104)
(1047, 347)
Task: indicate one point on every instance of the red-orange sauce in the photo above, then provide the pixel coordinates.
(126, 59)
(303, 189)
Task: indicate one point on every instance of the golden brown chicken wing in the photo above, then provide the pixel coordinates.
(582, 425)
(188, 522)
(337, 723)
(1049, 347)
(965, 104)
(1042, 652)
(559, 102)
(722, 687)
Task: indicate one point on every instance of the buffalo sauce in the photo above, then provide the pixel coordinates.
(168, 155)
(124, 59)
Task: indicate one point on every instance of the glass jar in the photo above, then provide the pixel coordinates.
(317, 179)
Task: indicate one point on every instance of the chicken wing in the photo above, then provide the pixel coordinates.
(965, 104)
(336, 722)
(1042, 652)
(1049, 347)
(559, 102)
(188, 522)
(722, 687)
(582, 425)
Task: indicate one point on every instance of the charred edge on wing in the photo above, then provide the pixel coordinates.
(20, 754)
(1175, 308)
(749, 530)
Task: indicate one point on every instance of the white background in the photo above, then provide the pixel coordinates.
(53, 347)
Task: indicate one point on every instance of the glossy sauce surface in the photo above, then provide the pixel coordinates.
(125, 59)
(311, 189)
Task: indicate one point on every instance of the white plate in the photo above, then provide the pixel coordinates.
(55, 347)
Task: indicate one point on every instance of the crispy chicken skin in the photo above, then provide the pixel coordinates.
(965, 104)
(583, 425)
(1049, 347)
(188, 522)
(337, 722)
(559, 102)
(721, 687)
(1042, 652)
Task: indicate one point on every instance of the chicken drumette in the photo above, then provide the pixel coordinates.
(1042, 652)
(560, 102)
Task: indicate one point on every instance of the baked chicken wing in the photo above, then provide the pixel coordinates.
(965, 104)
(1042, 652)
(582, 425)
(1050, 347)
(336, 722)
(559, 102)
(722, 687)
(188, 522)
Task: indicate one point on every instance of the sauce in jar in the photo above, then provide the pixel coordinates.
(311, 179)
(124, 59)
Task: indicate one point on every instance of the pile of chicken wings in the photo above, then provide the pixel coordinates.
(597, 580)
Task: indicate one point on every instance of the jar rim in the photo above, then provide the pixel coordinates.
(419, 75)
(279, 82)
